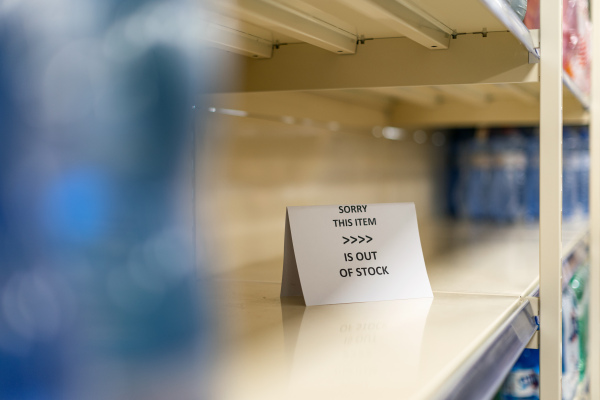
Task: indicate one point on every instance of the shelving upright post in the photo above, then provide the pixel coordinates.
(550, 199)
(594, 284)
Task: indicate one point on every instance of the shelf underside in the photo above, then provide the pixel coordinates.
(249, 27)
(496, 57)
(501, 105)
(351, 44)
(481, 81)
(356, 52)
(418, 107)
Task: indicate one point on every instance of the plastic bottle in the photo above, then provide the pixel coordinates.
(457, 171)
(579, 286)
(570, 37)
(477, 178)
(519, 7)
(98, 282)
(583, 171)
(570, 191)
(570, 345)
(508, 177)
(522, 382)
(532, 179)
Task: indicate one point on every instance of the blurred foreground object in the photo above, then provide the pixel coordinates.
(98, 287)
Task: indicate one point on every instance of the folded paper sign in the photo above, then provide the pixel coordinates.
(353, 253)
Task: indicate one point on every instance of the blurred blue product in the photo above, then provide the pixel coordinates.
(499, 185)
(98, 280)
(583, 170)
(456, 171)
(532, 179)
(459, 191)
(522, 382)
(453, 180)
(570, 343)
(570, 173)
(477, 181)
(508, 177)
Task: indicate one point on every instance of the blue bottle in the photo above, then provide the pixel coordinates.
(477, 182)
(460, 192)
(532, 179)
(583, 170)
(522, 382)
(570, 190)
(456, 172)
(98, 282)
(508, 177)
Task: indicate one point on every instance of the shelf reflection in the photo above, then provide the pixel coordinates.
(365, 347)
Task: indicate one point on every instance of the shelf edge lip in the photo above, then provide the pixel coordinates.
(485, 369)
(513, 23)
(533, 290)
(583, 99)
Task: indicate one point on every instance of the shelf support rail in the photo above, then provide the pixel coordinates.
(551, 200)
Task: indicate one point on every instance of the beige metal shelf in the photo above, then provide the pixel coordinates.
(389, 43)
(481, 64)
(484, 66)
(497, 260)
(383, 350)
(277, 348)
(325, 24)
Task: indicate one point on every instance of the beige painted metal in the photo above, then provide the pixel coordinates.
(231, 38)
(520, 93)
(460, 16)
(503, 110)
(551, 87)
(534, 343)
(406, 19)
(302, 105)
(468, 94)
(358, 97)
(279, 349)
(422, 96)
(594, 323)
(497, 58)
(322, 31)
